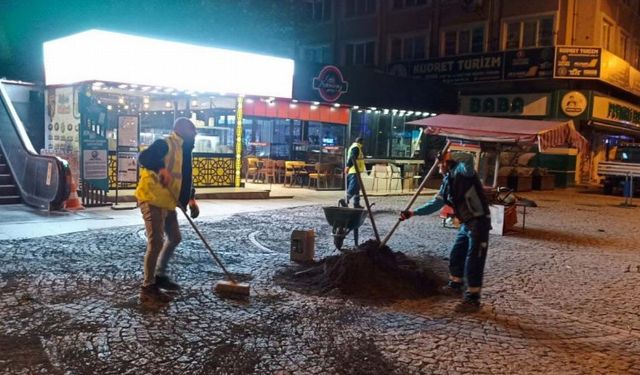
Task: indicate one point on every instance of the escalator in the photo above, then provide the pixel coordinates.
(36, 180)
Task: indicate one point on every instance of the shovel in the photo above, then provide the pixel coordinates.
(366, 200)
(415, 195)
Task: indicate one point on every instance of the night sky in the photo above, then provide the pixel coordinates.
(263, 26)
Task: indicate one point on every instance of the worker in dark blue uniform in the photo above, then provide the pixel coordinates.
(461, 189)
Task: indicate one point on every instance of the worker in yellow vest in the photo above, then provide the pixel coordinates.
(353, 187)
(165, 182)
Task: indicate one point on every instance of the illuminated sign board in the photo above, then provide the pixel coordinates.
(97, 55)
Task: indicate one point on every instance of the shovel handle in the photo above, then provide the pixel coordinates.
(415, 195)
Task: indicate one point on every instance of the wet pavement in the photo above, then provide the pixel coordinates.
(561, 296)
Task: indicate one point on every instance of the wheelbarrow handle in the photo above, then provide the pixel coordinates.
(366, 199)
(415, 195)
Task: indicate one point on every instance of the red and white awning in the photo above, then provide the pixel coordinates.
(546, 134)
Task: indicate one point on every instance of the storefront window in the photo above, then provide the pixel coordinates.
(386, 136)
(216, 129)
(313, 142)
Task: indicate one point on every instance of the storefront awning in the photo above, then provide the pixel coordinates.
(98, 55)
(546, 134)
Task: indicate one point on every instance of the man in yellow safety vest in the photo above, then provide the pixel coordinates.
(353, 187)
(165, 182)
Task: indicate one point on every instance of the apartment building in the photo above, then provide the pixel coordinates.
(542, 59)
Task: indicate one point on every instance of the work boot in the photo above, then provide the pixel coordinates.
(165, 282)
(153, 294)
(470, 304)
(343, 203)
(357, 205)
(452, 289)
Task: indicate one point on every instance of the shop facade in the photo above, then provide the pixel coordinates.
(589, 85)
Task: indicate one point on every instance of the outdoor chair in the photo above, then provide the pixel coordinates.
(268, 171)
(395, 178)
(294, 171)
(323, 171)
(252, 168)
(279, 165)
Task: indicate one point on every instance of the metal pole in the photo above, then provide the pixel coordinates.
(415, 195)
(366, 199)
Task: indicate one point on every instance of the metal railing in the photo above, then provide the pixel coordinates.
(41, 180)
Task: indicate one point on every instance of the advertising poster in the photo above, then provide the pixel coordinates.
(529, 63)
(577, 62)
(128, 131)
(94, 162)
(62, 126)
(127, 166)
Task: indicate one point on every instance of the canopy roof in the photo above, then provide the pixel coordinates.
(503, 130)
(98, 55)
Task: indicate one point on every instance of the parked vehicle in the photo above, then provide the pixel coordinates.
(625, 165)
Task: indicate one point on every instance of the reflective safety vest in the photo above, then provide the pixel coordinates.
(150, 189)
(359, 159)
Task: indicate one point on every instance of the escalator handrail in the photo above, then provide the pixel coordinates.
(61, 164)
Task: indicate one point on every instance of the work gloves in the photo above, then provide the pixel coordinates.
(194, 210)
(404, 215)
(164, 176)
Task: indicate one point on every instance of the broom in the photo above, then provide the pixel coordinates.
(223, 287)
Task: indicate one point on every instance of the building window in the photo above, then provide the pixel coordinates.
(407, 48)
(463, 41)
(317, 54)
(606, 34)
(623, 47)
(360, 53)
(636, 56)
(402, 4)
(354, 8)
(318, 10)
(536, 32)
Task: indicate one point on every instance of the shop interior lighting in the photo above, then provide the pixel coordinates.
(292, 105)
(316, 103)
(145, 100)
(394, 111)
(373, 108)
(109, 107)
(167, 104)
(368, 111)
(356, 107)
(123, 86)
(418, 113)
(313, 107)
(194, 103)
(294, 100)
(434, 114)
(98, 55)
(337, 105)
(121, 100)
(410, 113)
(248, 100)
(385, 111)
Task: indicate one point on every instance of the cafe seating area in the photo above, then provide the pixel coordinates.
(379, 179)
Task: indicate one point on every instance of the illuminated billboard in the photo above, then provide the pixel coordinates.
(98, 55)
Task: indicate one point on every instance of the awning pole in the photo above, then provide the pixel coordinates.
(495, 172)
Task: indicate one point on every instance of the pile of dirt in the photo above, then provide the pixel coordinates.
(368, 272)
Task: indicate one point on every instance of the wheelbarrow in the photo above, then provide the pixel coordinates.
(343, 220)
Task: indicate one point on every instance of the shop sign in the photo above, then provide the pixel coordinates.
(573, 103)
(619, 73)
(505, 105)
(577, 62)
(461, 69)
(330, 84)
(616, 111)
(529, 63)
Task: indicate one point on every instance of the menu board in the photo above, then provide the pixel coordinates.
(128, 131)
